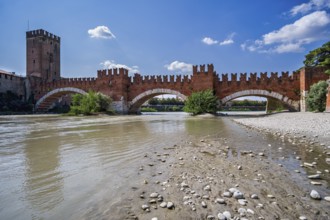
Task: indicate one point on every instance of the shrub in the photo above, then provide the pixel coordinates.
(316, 98)
(201, 102)
(90, 103)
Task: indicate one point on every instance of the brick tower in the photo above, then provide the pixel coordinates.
(43, 55)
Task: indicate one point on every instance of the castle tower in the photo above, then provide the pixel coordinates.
(43, 55)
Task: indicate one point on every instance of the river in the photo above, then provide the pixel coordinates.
(54, 167)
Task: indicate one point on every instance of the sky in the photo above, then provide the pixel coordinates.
(167, 37)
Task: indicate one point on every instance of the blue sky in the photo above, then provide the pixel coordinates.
(167, 37)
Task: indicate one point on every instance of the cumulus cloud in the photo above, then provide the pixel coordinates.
(292, 37)
(179, 66)
(209, 41)
(101, 32)
(111, 64)
(310, 6)
(228, 40)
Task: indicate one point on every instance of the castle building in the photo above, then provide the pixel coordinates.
(43, 55)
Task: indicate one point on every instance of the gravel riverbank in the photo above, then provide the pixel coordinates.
(215, 178)
(314, 126)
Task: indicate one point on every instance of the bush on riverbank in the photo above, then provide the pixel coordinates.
(201, 102)
(316, 99)
(11, 103)
(90, 103)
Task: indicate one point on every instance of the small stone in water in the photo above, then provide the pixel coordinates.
(316, 183)
(261, 154)
(204, 204)
(163, 205)
(239, 167)
(327, 198)
(302, 218)
(207, 188)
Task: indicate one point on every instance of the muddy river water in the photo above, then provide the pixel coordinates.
(54, 167)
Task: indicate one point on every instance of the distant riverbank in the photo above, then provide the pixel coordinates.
(314, 126)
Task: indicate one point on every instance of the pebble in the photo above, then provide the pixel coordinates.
(316, 183)
(227, 194)
(210, 217)
(221, 216)
(145, 207)
(184, 185)
(315, 195)
(302, 218)
(170, 205)
(227, 214)
(220, 201)
(242, 202)
(239, 167)
(250, 211)
(238, 195)
(242, 211)
(207, 188)
(163, 205)
(327, 198)
(254, 196)
(204, 204)
(261, 154)
(271, 196)
(154, 195)
(232, 190)
(315, 176)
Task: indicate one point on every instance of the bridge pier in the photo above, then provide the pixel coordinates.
(120, 107)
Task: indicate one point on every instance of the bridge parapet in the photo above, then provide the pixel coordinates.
(162, 79)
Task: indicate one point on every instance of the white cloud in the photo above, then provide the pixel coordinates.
(101, 32)
(209, 41)
(111, 64)
(228, 40)
(312, 5)
(292, 37)
(179, 66)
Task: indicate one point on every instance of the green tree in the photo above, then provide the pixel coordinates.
(201, 102)
(90, 103)
(319, 57)
(316, 98)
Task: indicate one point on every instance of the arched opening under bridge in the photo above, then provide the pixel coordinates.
(292, 105)
(48, 100)
(137, 102)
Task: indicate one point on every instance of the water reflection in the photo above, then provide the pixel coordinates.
(44, 182)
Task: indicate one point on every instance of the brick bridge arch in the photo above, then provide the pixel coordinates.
(136, 103)
(291, 104)
(46, 101)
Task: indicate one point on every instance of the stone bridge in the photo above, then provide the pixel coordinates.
(130, 92)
